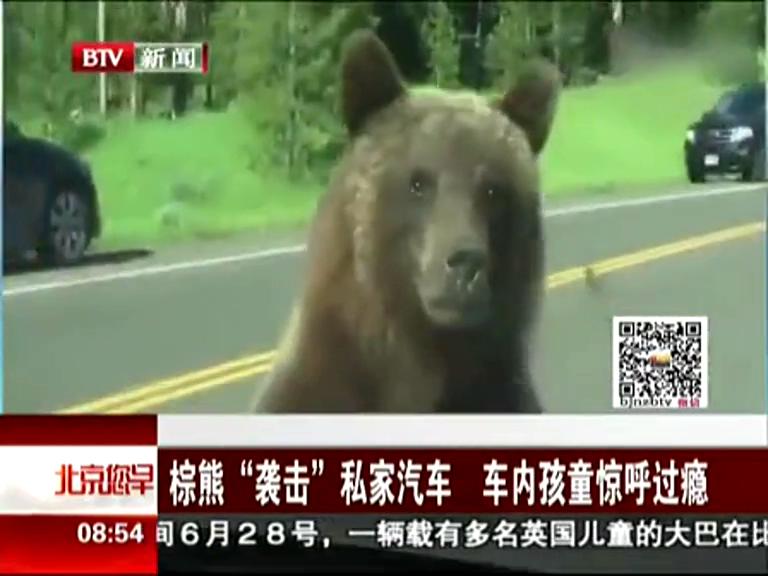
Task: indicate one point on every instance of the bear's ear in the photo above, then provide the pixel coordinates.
(532, 102)
(370, 79)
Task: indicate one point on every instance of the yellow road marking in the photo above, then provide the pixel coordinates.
(617, 263)
(194, 389)
(107, 403)
(169, 389)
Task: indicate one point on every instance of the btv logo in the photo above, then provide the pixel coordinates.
(102, 57)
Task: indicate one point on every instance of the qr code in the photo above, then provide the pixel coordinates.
(660, 362)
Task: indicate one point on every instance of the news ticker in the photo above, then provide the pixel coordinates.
(136, 544)
(414, 532)
(129, 487)
(471, 533)
(140, 57)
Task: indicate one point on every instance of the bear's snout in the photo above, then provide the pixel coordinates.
(457, 294)
(466, 267)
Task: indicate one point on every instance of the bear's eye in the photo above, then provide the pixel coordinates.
(420, 182)
(495, 197)
(492, 192)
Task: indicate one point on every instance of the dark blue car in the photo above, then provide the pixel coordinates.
(50, 202)
(729, 138)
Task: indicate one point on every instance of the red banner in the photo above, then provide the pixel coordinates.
(90, 430)
(53, 544)
(653, 481)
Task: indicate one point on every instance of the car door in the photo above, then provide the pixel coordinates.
(752, 111)
(24, 191)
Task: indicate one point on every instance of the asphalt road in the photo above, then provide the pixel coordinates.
(160, 333)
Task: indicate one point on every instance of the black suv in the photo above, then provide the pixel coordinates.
(50, 203)
(729, 138)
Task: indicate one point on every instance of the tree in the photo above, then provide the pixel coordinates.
(732, 34)
(509, 44)
(321, 32)
(228, 28)
(139, 21)
(14, 41)
(595, 46)
(439, 31)
(183, 21)
(39, 76)
(207, 11)
(285, 77)
(564, 42)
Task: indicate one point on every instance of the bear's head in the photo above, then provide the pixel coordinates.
(443, 190)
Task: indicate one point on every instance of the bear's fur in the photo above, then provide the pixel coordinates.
(425, 255)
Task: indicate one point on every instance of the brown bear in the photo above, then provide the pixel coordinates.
(426, 253)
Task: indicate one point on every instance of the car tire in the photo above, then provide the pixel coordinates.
(66, 232)
(695, 175)
(756, 172)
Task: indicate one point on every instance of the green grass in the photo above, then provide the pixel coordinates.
(625, 132)
(164, 181)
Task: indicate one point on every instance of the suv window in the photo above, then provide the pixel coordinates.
(742, 102)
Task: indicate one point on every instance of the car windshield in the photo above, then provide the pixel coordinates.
(740, 102)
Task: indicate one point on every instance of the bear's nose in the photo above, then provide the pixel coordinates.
(466, 264)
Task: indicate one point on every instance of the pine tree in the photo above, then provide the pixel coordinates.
(510, 43)
(439, 31)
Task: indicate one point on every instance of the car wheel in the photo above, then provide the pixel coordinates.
(66, 234)
(756, 172)
(695, 175)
